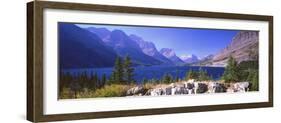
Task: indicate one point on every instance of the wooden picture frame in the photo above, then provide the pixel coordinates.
(35, 60)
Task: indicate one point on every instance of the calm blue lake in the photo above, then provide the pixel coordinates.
(150, 72)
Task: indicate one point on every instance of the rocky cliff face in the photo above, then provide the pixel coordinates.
(170, 54)
(243, 47)
(124, 45)
(149, 49)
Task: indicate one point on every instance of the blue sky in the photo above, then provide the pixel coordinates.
(184, 41)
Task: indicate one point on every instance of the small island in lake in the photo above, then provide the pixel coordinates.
(98, 60)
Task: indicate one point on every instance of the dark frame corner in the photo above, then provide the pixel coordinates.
(35, 60)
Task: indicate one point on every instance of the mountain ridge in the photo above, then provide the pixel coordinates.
(170, 54)
(124, 45)
(243, 44)
(79, 48)
(243, 47)
(149, 48)
(190, 58)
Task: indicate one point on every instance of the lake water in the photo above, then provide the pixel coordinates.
(150, 72)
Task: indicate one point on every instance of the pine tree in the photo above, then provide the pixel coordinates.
(167, 78)
(144, 80)
(128, 70)
(96, 79)
(92, 82)
(250, 75)
(111, 79)
(203, 75)
(191, 75)
(253, 78)
(103, 79)
(255, 81)
(62, 81)
(63, 84)
(177, 76)
(82, 79)
(231, 73)
(118, 71)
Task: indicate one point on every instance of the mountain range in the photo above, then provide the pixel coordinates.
(189, 58)
(126, 45)
(170, 54)
(79, 48)
(243, 47)
(99, 47)
(148, 48)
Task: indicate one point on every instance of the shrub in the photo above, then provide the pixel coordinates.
(148, 86)
(113, 90)
(231, 73)
(167, 78)
(66, 93)
(191, 75)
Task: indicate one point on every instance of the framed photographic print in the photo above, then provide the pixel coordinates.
(96, 61)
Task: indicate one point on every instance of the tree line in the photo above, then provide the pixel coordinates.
(200, 75)
(122, 73)
(244, 71)
(234, 72)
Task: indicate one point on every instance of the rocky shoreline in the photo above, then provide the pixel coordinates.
(188, 87)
